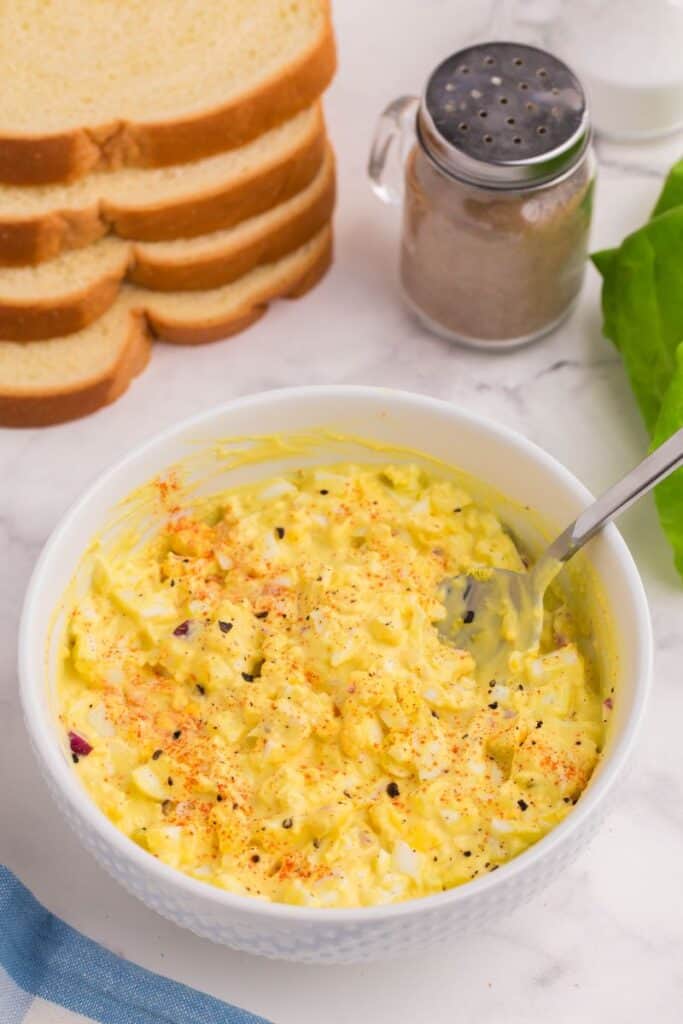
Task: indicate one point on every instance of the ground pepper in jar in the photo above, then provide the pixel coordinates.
(497, 267)
(497, 197)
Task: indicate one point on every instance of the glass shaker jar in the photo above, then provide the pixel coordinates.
(495, 170)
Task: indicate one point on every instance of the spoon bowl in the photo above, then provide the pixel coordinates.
(491, 615)
(496, 612)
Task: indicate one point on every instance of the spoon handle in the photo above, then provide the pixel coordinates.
(658, 465)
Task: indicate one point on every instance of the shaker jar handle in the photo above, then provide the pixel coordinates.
(394, 137)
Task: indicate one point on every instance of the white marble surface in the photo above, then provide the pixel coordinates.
(604, 943)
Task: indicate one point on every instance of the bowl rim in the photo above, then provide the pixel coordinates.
(31, 665)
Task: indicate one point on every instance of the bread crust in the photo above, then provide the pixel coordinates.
(36, 320)
(30, 240)
(221, 208)
(25, 241)
(53, 318)
(71, 154)
(220, 267)
(199, 332)
(44, 408)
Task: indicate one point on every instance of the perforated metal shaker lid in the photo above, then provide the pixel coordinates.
(504, 115)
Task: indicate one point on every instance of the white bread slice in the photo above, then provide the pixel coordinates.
(62, 296)
(67, 293)
(184, 200)
(215, 259)
(45, 382)
(89, 86)
(193, 318)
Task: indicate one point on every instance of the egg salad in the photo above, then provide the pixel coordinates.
(259, 697)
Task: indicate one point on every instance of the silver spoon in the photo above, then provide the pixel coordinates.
(499, 611)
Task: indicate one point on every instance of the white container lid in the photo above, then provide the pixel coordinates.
(629, 57)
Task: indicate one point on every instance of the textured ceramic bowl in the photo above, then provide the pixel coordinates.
(508, 462)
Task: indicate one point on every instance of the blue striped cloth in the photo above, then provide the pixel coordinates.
(51, 974)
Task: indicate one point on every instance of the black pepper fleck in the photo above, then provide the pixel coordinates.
(539, 724)
(494, 705)
(279, 532)
(74, 758)
(287, 823)
(177, 734)
(169, 781)
(324, 491)
(183, 629)
(224, 627)
(248, 677)
(467, 853)
(522, 804)
(261, 615)
(200, 689)
(468, 617)
(255, 858)
(156, 755)
(219, 798)
(393, 790)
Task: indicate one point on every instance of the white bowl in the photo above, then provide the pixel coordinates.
(508, 462)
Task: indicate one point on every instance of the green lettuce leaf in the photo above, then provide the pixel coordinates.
(642, 304)
(642, 301)
(670, 197)
(672, 192)
(669, 494)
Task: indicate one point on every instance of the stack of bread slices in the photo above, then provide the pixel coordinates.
(164, 173)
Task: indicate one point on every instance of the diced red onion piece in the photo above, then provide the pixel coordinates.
(79, 745)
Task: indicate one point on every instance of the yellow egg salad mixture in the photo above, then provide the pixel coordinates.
(259, 696)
